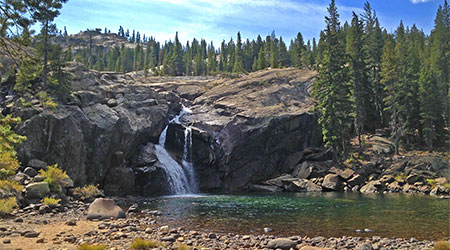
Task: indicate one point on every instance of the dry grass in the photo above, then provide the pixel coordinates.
(86, 192)
(10, 185)
(7, 205)
(92, 247)
(141, 244)
(50, 201)
(442, 245)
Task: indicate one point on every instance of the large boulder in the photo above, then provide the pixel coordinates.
(331, 182)
(301, 185)
(103, 208)
(356, 180)
(37, 190)
(375, 186)
(37, 164)
(280, 181)
(281, 243)
(311, 169)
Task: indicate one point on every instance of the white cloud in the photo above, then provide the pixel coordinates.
(419, 1)
(210, 19)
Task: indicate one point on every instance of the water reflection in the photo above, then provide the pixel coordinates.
(326, 214)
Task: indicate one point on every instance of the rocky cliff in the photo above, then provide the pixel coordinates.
(248, 129)
(245, 130)
(254, 133)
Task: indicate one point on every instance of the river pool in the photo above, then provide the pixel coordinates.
(311, 214)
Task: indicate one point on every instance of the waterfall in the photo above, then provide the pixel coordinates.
(187, 159)
(181, 178)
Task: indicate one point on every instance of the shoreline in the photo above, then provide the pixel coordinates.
(69, 229)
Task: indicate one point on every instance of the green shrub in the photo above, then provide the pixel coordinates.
(400, 177)
(50, 201)
(431, 182)
(7, 205)
(86, 192)
(54, 176)
(10, 185)
(442, 245)
(86, 246)
(47, 101)
(141, 244)
(447, 185)
(23, 103)
(8, 141)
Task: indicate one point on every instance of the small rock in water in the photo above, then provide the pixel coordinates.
(268, 230)
(368, 230)
(358, 230)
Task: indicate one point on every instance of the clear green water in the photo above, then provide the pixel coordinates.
(318, 214)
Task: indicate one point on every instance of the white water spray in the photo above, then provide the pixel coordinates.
(181, 178)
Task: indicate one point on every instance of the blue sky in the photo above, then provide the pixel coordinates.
(215, 20)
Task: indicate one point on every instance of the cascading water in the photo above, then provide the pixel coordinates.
(181, 178)
(187, 158)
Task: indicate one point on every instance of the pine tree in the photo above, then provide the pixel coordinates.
(440, 55)
(238, 65)
(373, 49)
(331, 89)
(297, 49)
(45, 11)
(274, 53)
(358, 76)
(389, 77)
(283, 56)
(211, 59)
(261, 59)
(177, 58)
(431, 107)
(68, 56)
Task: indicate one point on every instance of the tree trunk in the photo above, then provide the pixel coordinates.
(44, 72)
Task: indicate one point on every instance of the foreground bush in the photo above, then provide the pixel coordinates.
(54, 176)
(91, 247)
(7, 205)
(442, 245)
(10, 185)
(50, 201)
(8, 140)
(141, 244)
(87, 192)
